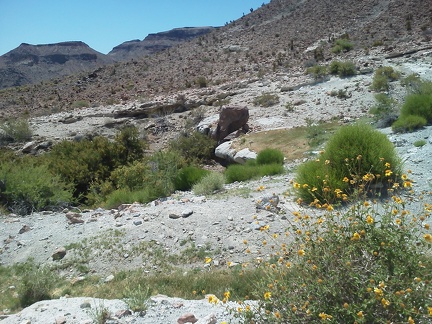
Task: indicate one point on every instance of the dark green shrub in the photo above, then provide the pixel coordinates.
(238, 172)
(188, 176)
(408, 123)
(88, 161)
(28, 187)
(419, 105)
(342, 69)
(266, 100)
(270, 156)
(353, 154)
(194, 148)
(251, 170)
(317, 71)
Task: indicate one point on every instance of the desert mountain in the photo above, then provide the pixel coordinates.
(153, 43)
(34, 63)
(281, 37)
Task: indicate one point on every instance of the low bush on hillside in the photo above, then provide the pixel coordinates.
(342, 45)
(416, 111)
(188, 176)
(251, 170)
(382, 78)
(270, 156)
(342, 69)
(266, 100)
(385, 106)
(213, 181)
(15, 130)
(355, 153)
(317, 71)
(194, 147)
(408, 123)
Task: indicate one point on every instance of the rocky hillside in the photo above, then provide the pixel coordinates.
(153, 43)
(281, 37)
(34, 63)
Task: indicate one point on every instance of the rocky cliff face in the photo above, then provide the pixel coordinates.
(157, 42)
(33, 63)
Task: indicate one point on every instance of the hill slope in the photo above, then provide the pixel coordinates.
(280, 37)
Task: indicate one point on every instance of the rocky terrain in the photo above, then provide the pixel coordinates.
(264, 52)
(217, 223)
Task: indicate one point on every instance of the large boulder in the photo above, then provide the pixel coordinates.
(231, 119)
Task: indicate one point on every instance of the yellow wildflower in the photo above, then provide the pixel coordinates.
(369, 219)
(388, 173)
(267, 295)
(208, 260)
(301, 252)
(227, 294)
(385, 302)
(297, 185)
(305, 185)
(430, 311)
(360, 314)
(345, 305)
(428, 238)
(407, 184)
(345, 179)
(387, 165)
(277, 314)
(378, 291)
(410, 320)
(355, 237)
(325, 316)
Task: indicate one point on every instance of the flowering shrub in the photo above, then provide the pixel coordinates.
(367, 263)
(356, 158)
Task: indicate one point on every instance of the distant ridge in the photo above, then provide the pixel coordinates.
(34, 63)
(156, 42)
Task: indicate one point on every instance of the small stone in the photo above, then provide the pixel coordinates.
(137, 222)
(174, 216)
(187, 318)
(60, 320)
(186, 213)
(109, 278)
(59, 254)
(24, 229)
(122, 313)
(85, 305)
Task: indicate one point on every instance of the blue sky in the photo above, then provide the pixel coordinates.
(103, 24)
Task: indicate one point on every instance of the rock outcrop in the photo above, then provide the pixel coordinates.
(231, 119)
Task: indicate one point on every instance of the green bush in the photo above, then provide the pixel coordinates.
(419, 105)
(266, 100)
(29, 186)
(251, 170)
(382, 77)
(270, 156)
(342, 69)
(384, 107)
(408, 123)
(355, 153)
(317, 71)
(194, 148)
(15, 130)
(92, 160)
(210, 183)
(342, 45)
(188, 176)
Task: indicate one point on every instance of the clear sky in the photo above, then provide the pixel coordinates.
(103, 24)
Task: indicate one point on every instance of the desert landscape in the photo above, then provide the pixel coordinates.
(192, 233)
